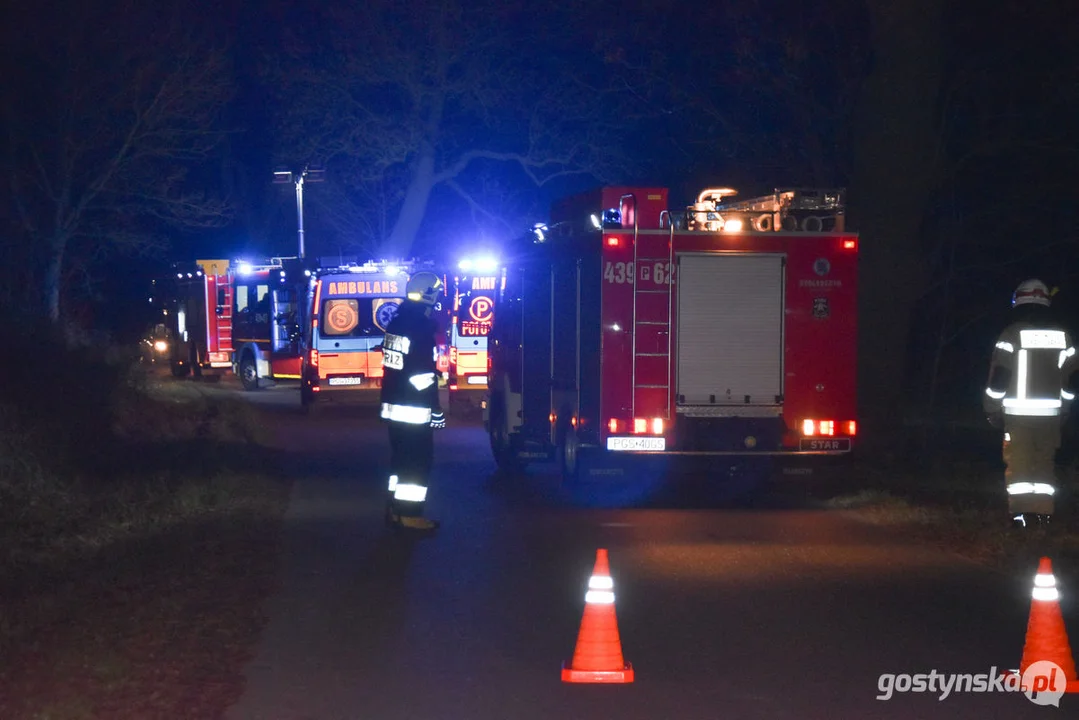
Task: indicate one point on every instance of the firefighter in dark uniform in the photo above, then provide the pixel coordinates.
(410, 404)
(1028, 396)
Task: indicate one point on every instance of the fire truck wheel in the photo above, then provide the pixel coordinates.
(180, 370)
(501, 447)
(249, 373)
(569, 456)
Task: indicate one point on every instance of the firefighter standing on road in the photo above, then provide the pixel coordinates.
(1028, 396)
(410, 403)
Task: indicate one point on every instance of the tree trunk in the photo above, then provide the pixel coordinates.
(401, 240)
(54, 273)
(896, 136)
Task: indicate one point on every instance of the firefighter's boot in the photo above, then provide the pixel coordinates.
(417, 523)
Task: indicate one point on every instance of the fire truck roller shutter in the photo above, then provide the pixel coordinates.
(730, 330)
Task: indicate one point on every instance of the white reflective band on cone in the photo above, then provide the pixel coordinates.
(1005, 346)
(1046, 594)
(599, 597)
(409, 492)
(1064, 355)
(1045, 587)
(406, 414)
(995, 394)
(1065, 395)
(422, 381)
(393, 483)
(1045, 580)
(1028, 488)
(600, 582)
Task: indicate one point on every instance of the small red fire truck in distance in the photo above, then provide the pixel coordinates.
(726, 329)
(198, 313)
(472, 295)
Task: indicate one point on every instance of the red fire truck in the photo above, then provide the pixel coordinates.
(198, 312)
(238, 316)
(473, 294)
(350, 306)
(725, 329)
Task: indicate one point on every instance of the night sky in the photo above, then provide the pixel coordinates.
(749, 94)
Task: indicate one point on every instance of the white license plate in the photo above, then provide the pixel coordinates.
(477, 379)
(636, 443)
(346, 381)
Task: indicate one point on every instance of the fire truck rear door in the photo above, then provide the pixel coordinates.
(730, 330)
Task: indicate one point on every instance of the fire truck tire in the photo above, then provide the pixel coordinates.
(569, 456)
(179, 370)
(249, 372)
(501, 446)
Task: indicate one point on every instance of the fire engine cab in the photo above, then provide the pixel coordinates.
(725, 329)
(474, 292)
(350, 305)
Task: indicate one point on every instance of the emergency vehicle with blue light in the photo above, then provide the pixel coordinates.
(725, 329)
(236, 316)
(472, 295)
(349, 307)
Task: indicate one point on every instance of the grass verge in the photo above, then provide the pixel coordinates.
(959, 505)
(138, 539)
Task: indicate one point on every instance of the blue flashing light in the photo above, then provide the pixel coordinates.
(465, 265)
(486, 265)
(244, 268)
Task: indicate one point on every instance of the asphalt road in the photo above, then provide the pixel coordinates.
(773, 612)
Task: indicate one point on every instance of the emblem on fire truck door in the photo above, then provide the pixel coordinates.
(820, 308)
(822, 267)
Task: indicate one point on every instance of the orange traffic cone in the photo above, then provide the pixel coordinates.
(598, 656)
(1047, 638)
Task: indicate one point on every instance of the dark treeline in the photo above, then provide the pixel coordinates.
(135, 136)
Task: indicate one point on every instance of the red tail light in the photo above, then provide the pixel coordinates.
(313, 358)
(828, 428)
(850, 244)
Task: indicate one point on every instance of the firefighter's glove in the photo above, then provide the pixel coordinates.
(438, 420)
(996, 420)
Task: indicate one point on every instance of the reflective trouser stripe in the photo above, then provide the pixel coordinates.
(1029, 488)
(393, 483)
(422, 381)
(410, 492)
(406, 413)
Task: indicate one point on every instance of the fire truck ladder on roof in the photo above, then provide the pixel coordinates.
(666, 386)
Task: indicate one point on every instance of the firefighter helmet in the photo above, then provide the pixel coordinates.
(1031, 292)
(424, 287)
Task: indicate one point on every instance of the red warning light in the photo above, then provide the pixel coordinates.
(613, 241)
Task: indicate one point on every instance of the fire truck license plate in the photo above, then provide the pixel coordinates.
(636, 443)
(346, 381)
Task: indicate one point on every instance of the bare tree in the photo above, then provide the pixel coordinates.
(397, 102)
(104, 128)
(897, 132)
